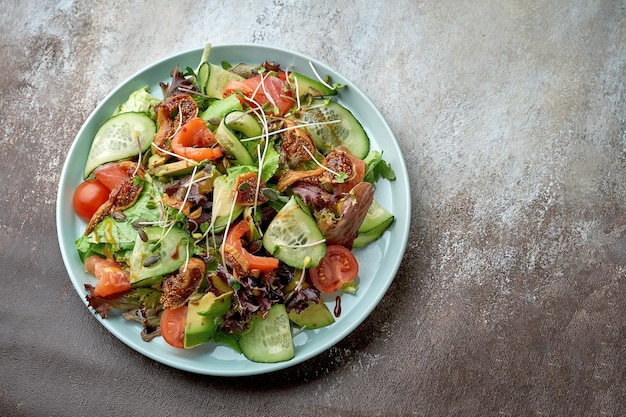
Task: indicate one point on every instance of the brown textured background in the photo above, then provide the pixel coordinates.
(511, 296)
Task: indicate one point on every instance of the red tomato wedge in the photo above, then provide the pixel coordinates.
(195, 141)
(112, 278)
(338, 267)
(111, 175)
(173, 322)
(238, 231)
(267, 91)
(88, 197)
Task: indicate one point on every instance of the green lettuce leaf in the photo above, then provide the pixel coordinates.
(117, 238)
(139, 101)
(270, 163)
(376, 167)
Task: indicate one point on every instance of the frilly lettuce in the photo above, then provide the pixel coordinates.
(139, 101)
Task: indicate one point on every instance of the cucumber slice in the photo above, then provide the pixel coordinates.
(336, 126)
(376, 215)
(307, 85)
(116, 140)
(244, 123)
(232, 147)
(223, 202)
(164, 251)
(203, 77)
(203, 69)
(214, 114)
(218, 78)
(365, 238)
(268, 340)
(294, 237)
(376, 221)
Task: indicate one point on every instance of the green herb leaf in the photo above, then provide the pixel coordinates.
(376, 167)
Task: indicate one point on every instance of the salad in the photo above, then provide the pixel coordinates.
(225, 210)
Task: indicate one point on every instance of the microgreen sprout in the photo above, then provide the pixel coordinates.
(230, 219)
(265, 135)
(303, 245)
(297, 93)
(165, 151)
(193, 174)
(307, 261)
(321, 80)
(136, 135)
(258, 178)
(341, 177)
(337, 175)
(186, 243)
(261, 86)
(201, 100)
(286, 129)
(166, 231)
(179, 116)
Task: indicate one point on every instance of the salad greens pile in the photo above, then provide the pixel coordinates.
(235, 202)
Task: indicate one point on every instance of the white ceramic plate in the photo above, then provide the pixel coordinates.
(379, 261)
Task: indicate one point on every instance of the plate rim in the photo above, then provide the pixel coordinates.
(399, 166)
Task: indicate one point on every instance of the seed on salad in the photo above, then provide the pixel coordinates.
(142, 235)
(151, 260)
(118, 216)
(137, 224)
(270, 194)
(244, 186)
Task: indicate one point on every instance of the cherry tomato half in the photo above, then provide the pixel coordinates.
(173, 326)
(88, 197)
(338, 267)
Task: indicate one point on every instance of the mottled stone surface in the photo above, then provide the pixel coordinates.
(511, 296)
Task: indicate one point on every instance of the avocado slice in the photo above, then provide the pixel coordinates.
(203, 318)
(212, 305)
(172, 169)
(315, 316)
